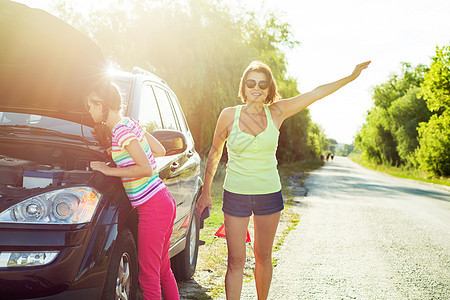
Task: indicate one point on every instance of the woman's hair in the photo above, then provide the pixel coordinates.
(260, 67)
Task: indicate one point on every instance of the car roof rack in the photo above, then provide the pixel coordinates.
(137, 70)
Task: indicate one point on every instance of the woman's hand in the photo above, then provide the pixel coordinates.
(358, 69)
(203, 201)
(100, 166)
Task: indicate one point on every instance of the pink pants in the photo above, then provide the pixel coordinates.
(156, 218)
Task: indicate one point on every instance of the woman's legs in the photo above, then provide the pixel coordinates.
(236, 234)
(265, 229)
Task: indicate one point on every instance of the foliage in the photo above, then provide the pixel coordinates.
(402, 171)
(201, 49)
(331, 145)
(346, 150)
(300, 139)
(300, 125)
(375, 140)
(436, 85)
(410, 121)
(406, 112)
(433, 153)
(390, 134)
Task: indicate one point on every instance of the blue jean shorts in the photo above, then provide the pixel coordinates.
(239, 205)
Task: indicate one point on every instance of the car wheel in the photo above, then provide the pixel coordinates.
(184, 263)
(121, 280)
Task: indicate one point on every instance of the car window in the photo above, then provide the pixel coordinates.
(169, 121)
(149, 116)
(178, 112)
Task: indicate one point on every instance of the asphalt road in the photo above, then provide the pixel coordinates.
(364, 235)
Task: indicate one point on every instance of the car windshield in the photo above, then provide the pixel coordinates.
(45, 126)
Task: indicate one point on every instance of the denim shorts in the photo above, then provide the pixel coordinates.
(239, 205)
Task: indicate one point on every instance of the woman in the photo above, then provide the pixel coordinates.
(133, 150)
(252, 184)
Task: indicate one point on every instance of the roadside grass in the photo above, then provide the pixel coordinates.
(212, 261)
(287, 170)
(402, 171)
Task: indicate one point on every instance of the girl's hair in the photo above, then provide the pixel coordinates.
(109, 93)
(260, 67)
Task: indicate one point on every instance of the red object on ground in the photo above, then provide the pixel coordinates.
(221, 233)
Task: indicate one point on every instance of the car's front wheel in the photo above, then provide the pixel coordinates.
(122, 278)
(184, 263)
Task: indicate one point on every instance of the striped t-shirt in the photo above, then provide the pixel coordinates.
(139, 190)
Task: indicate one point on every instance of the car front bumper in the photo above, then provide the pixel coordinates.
(79, 269)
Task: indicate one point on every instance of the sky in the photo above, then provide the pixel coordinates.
(336, 35)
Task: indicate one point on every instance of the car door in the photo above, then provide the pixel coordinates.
(170, 164)
(190, 161)
(150, 116)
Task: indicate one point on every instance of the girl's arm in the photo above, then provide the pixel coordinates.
(156, 147)
(143, 168)
(289, 107)
(220, 136)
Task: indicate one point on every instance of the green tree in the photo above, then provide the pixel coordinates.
(332, 145)
(289, 145)
(436, 85)
(345, 150)
(375, 139)
(406, 113)
(390, 134)
(201, 49)
(433, 153)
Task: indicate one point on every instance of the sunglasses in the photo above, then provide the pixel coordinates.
(251, 83)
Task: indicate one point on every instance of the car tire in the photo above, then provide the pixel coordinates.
(122, 277)
(184, 263)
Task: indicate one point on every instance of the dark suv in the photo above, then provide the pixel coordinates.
(67, 232)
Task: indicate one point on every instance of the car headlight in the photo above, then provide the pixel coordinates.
(66, 206)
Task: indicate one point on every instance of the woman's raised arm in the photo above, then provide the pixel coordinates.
(291, 106)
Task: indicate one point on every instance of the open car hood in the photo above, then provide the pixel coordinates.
(46, 65)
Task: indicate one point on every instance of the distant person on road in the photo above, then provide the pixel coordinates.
(252, 184)
(133, 151)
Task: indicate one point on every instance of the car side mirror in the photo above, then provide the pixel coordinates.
(173, 141)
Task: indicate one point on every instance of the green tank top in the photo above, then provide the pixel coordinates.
(252, 164)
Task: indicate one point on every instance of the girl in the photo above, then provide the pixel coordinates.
(252, 184)
(133, 151)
